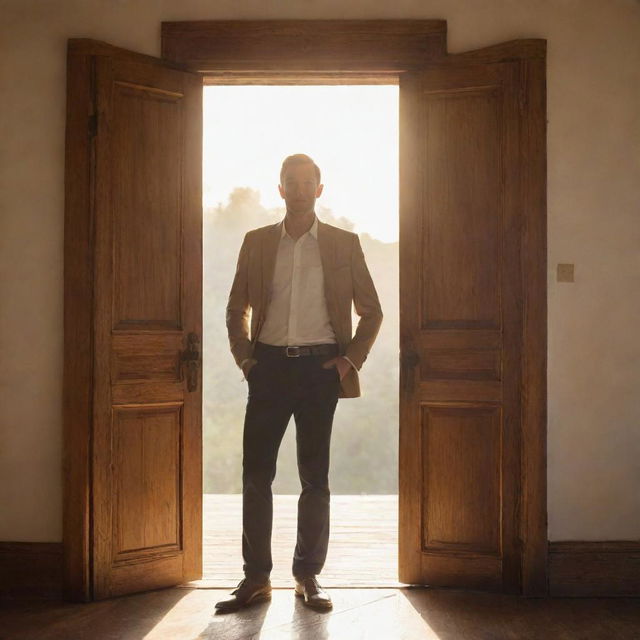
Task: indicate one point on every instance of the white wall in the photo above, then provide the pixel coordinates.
(594, 196)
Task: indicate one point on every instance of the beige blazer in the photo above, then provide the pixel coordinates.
(346, 281)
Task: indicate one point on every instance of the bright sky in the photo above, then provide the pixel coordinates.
(350, 131)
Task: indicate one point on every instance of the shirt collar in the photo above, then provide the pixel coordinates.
(312, 231)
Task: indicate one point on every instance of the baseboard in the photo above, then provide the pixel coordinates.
(594, 569)
(31, 570)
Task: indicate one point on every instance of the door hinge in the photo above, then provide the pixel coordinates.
(93, 125)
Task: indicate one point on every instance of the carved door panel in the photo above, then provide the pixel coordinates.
(144, 175)
(461, 325)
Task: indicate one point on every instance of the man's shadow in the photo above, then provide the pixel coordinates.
(248, 622)
(306, 619)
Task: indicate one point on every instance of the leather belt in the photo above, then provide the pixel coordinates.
(296, 352)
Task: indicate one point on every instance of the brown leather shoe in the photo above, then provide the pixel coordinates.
(247, 592)
(313, 594)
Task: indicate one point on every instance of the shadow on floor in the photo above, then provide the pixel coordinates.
(132, 616)
(453, 614)
(358, 614)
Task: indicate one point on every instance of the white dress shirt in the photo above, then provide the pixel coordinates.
(297, 313)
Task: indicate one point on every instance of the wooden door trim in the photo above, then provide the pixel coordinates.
(533, 517)
(78, 327)
(213, 47)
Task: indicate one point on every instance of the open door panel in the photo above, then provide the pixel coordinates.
(464, 207)
(133, 309)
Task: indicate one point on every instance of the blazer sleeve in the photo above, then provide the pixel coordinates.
(367, 306)
(238, 307)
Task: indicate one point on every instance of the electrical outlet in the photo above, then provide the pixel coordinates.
(565, 273)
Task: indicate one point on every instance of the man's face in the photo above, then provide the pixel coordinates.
(300, 188)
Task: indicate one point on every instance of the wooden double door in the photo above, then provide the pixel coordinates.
(472, 184)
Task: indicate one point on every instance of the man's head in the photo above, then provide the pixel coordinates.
(300, 184)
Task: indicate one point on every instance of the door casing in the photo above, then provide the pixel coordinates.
(378, 52)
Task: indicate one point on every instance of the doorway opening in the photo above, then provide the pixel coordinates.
(351, 131)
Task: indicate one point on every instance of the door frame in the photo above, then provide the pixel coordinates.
(310, 52)
(377, 52)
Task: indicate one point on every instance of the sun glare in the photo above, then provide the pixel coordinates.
(350, 131)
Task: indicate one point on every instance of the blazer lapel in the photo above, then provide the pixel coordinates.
(326, 245)
(269, 252)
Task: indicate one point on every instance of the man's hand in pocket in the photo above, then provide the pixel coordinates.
(247, 366)
(340, 363)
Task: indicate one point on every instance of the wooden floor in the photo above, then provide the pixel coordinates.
(363, 544)
(362, 549)
(358, 614)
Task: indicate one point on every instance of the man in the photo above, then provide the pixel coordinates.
(299, 278)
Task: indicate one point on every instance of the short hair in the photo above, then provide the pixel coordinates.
(298, 158)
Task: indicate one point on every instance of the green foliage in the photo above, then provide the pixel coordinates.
(364, 448)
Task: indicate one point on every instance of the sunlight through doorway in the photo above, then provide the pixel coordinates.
(352, 134)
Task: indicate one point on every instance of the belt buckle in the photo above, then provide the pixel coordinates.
(293, 355)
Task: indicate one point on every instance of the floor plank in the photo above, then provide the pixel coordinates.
(363, 544)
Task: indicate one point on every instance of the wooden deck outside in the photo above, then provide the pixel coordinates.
(363, 545)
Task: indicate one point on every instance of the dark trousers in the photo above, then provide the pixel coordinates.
(280, 387)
